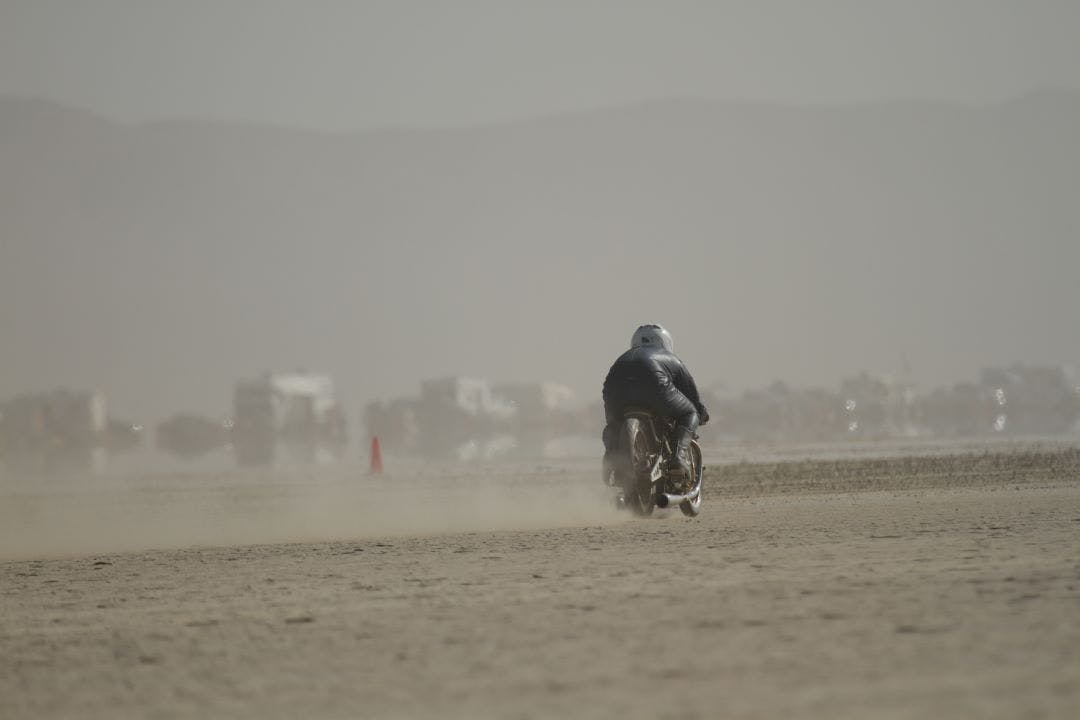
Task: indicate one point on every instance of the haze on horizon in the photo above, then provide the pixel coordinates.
(339, 65)
(795, 241)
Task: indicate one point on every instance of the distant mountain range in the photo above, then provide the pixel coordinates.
(160, 261)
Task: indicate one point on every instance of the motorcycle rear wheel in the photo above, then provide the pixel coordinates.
(639, 493)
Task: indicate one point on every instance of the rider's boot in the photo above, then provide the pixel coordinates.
(608, 467)
(607, 471)
(678, 464)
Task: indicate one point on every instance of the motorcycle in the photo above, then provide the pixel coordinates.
(639, 471)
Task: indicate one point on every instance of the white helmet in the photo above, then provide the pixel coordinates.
(651, 336)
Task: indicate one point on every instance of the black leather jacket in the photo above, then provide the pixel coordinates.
(652, 370)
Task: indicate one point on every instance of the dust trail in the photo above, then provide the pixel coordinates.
(96, 515)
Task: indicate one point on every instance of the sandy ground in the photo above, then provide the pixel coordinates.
(899, 587)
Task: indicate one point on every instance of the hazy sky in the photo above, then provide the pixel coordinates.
(802, 223)
(343, 64)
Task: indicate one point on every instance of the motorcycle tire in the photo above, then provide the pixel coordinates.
(638, 491)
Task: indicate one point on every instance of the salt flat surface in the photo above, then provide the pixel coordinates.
(889, 588)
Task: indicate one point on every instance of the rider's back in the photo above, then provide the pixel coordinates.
(646, 367)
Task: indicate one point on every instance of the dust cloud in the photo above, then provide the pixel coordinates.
(82, 516)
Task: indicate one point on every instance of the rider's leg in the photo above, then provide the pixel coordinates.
(678, 464)
(611, 414)
(686, 424)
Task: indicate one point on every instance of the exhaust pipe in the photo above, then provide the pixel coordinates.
(664, 500)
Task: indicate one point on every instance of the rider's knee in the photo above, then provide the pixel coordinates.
(689, 421)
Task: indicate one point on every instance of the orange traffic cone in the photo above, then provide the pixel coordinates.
(376, 456)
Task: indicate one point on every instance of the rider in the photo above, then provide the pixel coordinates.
(649, 375)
